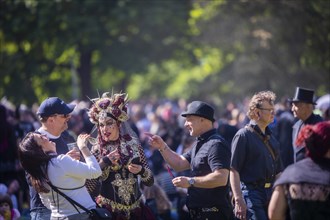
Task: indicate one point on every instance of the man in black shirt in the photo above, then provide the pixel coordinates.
(208, 161)
(255, 162)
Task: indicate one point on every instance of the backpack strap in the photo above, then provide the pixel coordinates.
(265, 140)
(73, 202)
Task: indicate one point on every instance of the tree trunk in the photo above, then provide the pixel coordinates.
(84, 72)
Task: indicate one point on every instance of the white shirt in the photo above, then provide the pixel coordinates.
(67, 173)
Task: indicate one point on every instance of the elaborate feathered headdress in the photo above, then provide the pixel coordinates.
(109, 106)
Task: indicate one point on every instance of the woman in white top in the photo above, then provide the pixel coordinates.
(39, 159)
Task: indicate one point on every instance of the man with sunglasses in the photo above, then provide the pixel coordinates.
(54, 115)
(255, 161)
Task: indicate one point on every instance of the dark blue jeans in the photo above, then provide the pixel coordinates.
(40, 214)
(257, 200)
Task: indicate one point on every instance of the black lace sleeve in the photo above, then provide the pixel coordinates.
(147, 177)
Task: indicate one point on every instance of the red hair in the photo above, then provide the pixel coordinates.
(316, 139)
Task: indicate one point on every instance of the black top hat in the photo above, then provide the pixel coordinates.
(303, 95)
(201, 109)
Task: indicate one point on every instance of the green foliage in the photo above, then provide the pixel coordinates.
(178, 78)
(108, 41)
(275, 45)
(212, 50)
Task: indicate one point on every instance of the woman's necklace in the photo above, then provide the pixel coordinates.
(114, 143)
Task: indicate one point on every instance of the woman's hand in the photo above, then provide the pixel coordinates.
(82, 141)
(134, 168)
(74, 153)
(114, 157)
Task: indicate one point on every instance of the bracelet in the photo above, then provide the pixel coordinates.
(106, 160)
(164, 148)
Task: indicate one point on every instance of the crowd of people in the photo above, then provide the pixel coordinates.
(164, 160)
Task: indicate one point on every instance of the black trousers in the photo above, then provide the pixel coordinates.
(210, 214)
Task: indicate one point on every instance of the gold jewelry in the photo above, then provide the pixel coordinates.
(118, 206)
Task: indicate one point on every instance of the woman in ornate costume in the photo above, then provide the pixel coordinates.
(121, 157)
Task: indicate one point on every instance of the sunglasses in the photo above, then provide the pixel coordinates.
(271, 110)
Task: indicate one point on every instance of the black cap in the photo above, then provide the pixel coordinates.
(303, 95)
(54, 105)
(201, 109)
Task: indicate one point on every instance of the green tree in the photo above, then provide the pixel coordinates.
(275, 45)
(213, 50)
(237, 48)
(50, 42)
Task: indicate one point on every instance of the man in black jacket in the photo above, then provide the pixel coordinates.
(302, 108)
